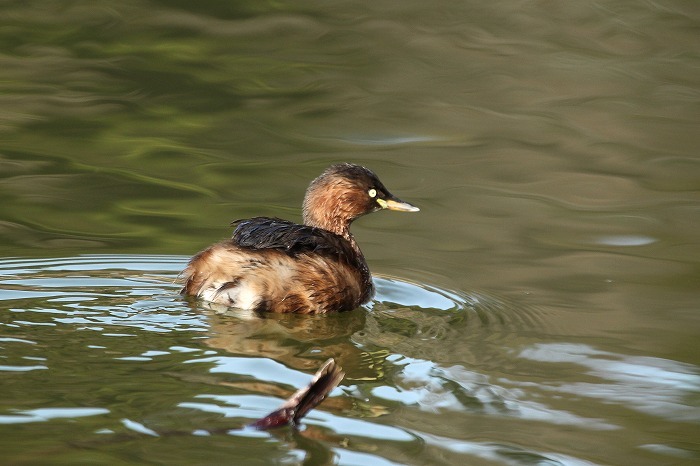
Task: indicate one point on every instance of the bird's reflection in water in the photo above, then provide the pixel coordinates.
(301, 343)
(297, 341)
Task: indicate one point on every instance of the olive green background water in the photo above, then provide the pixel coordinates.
(542, 308)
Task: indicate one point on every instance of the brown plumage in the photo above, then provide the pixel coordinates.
(275, 265)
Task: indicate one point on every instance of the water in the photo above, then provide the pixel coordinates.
(542, 308)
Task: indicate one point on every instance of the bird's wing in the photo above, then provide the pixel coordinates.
(283, 235)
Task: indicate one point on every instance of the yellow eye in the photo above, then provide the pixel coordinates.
(372, 192)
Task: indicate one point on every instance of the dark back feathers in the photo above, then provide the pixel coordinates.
(291, 238)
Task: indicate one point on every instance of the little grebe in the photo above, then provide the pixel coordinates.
(279, 266)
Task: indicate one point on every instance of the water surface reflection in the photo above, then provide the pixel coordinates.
(168, 367)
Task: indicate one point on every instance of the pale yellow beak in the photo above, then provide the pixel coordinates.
(397, 204)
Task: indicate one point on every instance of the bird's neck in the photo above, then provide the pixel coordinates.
(326, 217)
(333, 223)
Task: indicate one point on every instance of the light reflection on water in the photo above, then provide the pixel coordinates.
(652, 385)
(47, 414)
(404, 357)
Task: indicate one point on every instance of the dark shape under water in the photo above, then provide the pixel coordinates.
(304, 400)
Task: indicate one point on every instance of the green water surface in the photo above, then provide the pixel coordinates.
(541, 308)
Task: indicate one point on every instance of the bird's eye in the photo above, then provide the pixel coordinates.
(372, 192)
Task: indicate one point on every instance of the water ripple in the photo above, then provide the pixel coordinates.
(655, 386)
(415, 355)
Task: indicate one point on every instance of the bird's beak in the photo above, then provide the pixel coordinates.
(397, 204)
